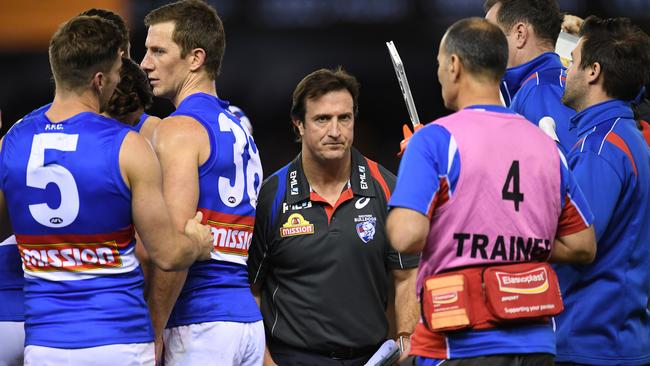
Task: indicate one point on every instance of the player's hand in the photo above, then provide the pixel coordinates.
(201, 235)
(572, 24)
(407, 136)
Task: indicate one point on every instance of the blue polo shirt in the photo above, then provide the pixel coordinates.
(606, 320)
(534, 90)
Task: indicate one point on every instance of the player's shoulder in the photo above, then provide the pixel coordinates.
(33, 116)
(621, 140)
(150, 122)
(133, 143)
(605, 144)
(437, 129)
(545, 85)
(178, 127)
(27, 124)
(594, 139)
(434, 135)
(133, 150)
(148, 126)
(543, 89)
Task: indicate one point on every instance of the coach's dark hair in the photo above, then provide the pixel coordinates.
(319, 83)
(197, 25)
(117, 20)
(623, 52)
(81, 47)
(481, 46)
(543, 15)
(132, 93)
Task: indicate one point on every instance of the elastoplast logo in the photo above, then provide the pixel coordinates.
(70, 257)
(296, 225)
(530, 282)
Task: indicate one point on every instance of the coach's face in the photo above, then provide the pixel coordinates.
(328, 130)
(163, 64)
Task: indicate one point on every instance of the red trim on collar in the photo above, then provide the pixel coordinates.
(329, 209)
(374, 171)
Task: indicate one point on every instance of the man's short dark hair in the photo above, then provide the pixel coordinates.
(81, 47)
(196, 25)
(132, 93)
(623, 52)
(543, 15)
(319, 83)
(116, 19)
(481, 46)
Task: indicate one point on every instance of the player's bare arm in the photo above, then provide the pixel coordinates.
(407, 230)
(170, 247)
(178, 142)
(407, 309)
(577, 248)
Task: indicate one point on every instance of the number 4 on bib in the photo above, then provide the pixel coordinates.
(515, 195)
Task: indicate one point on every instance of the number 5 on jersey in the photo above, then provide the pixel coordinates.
(40, 175)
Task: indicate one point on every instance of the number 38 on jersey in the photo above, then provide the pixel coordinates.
(231, 191)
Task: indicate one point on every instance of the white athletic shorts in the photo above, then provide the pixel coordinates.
(134, 354)
(12, 344)
(215, 344)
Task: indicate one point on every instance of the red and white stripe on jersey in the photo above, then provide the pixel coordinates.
(232, 235)
(444, 192)
(64, 257)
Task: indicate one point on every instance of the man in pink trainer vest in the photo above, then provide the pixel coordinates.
(487, 198)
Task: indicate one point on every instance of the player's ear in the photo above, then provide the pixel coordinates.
(300, 126)
(196, 58)
(454, 66)
(520, 33)
(595, 71)
(98, 82)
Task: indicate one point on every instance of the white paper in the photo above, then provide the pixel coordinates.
(385, 355)
(565, 44)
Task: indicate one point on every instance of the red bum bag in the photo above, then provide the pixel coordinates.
(489, 297)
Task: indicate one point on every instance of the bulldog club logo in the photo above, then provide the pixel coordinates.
(366, 229)
(296, 225)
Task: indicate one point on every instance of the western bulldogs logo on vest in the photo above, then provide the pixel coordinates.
(366, 227)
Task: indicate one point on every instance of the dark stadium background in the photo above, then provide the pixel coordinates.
(270, 46)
